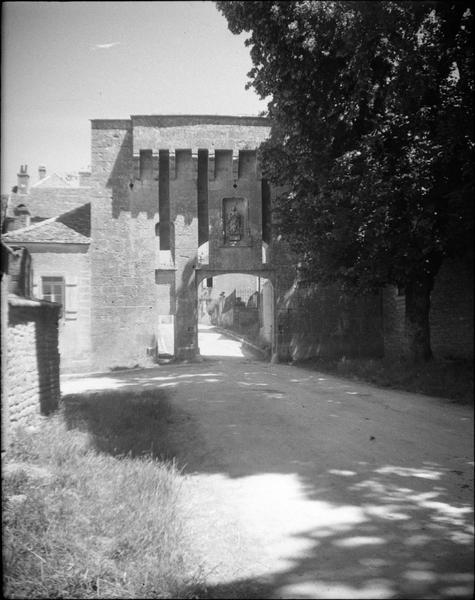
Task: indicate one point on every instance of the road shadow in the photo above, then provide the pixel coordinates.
(388, 542)
(133, 423)
(377, 530)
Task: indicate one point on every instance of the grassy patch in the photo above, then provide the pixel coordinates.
(108, 522)
(444, 379)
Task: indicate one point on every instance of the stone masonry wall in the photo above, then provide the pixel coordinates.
(320, 321)
(198, 131)
(235, 178)
(123, 220)
(316, 321)
(394, 331)
(32, 360)
(450, 317)
(138, 288)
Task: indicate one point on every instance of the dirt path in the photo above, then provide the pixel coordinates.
(301, 485)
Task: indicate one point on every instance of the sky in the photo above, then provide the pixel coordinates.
(64, 63)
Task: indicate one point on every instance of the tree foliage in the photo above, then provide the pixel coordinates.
(372, 132)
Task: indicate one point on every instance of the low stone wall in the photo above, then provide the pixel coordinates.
(451, 313)
(450, 317)
(394, 310)
(317, 321)
(33, 386)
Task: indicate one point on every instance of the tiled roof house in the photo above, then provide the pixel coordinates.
(72, 227)
(59, 249)
(50, 196)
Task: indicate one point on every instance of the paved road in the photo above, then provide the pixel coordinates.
(302, 485)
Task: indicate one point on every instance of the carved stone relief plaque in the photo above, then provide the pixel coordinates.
(234, 220)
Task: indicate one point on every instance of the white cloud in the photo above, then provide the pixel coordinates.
(105, 46)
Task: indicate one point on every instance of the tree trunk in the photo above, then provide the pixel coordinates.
(417, 318)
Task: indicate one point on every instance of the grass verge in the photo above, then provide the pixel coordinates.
(444, 379)
(105, 523)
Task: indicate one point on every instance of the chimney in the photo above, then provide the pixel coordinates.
(23, 180)
(22, 215)
(84, 178)
(41, 172)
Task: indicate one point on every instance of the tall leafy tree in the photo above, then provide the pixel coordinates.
(372, 133)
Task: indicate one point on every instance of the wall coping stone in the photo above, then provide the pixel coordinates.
(177, 121)
(111, 123)
(14, 300)
(181, 120)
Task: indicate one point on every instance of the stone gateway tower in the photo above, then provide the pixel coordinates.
(174, 200)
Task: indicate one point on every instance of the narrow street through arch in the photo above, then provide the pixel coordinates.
(214, 341)
(302, 485)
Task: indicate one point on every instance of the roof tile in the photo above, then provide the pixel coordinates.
(73, 227)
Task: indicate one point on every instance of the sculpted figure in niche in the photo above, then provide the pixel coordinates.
(233, 228)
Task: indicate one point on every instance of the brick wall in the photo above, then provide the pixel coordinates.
(32, 359)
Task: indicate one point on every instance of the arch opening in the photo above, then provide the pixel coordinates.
(238, 304)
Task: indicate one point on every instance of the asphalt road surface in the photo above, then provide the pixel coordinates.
(302, 485)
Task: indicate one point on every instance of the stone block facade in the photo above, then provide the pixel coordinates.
(74, 327)
(58, 253)
(32, 360)
(158, 190)
(123, 251)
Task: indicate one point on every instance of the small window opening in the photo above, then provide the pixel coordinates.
(53, 290)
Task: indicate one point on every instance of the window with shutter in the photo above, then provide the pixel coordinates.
(54, 291)
(71, 311)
